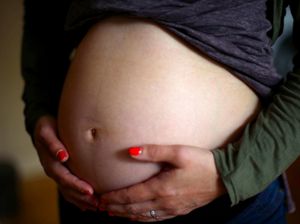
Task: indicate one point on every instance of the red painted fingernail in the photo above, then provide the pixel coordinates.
(135, 151)
(110, 214)
(62, 155)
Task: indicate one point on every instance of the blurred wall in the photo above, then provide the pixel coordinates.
(15, 144)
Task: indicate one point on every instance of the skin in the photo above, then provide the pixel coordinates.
(142, 197)
(166, 191)
(173, 192)
(47, 144)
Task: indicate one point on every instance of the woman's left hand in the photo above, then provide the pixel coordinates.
(191, 181)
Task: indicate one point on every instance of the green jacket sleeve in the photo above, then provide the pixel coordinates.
(44, 58)
(270, 144)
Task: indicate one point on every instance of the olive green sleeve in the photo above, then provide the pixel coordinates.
(270, 144)
(267, 147)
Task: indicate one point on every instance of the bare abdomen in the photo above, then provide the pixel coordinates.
(133, 83)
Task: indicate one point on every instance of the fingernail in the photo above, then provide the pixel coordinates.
(62, 155)
(110, 214)
(135, 151)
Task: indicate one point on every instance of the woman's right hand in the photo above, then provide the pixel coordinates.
(52, 154)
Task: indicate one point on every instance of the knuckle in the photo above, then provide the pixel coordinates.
(166, 191)
(131, 209)
(180, 154)
(171, 191)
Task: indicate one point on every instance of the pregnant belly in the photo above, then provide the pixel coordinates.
(133, 83)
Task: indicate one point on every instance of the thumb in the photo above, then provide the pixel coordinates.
(172, 154)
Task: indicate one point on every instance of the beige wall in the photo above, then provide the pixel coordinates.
(14, 141)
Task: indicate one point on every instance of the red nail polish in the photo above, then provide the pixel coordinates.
(110, 214)
(62, 155)
(135, 151)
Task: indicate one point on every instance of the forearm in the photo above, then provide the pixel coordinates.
(267, 147)
(271, 144)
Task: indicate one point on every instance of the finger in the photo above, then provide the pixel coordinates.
(145, 216)
(56, 148)
(172, 154)
(66, 179)
(81, 204)
(90, 200)
(162, 207)
(145, 191)
(47, 133)
(136, 209)
(62, 176)
(82, 201)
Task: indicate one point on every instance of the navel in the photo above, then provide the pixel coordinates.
(94, 134)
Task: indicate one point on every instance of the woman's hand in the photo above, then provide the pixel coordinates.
(192, 181)
(52, 154)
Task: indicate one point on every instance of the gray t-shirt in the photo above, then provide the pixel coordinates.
(232, 32)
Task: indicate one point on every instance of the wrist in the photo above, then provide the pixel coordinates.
(221, 189)
(218, 184)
